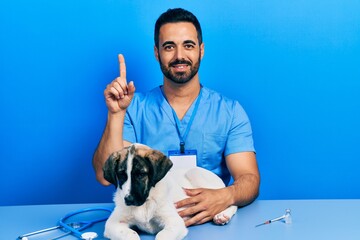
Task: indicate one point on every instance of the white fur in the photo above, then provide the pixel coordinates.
(157, 215)
(200, 178)
(127, 185)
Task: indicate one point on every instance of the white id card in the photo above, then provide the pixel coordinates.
(183, 160)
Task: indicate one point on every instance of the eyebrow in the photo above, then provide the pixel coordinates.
(190, 41)
(167, 43)
(172, 42)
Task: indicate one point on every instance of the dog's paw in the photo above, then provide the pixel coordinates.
(132, 236)
(225, 216)
(127, 234)
(171, 235)
(221, 219)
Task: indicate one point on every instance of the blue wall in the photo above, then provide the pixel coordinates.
(293, 65)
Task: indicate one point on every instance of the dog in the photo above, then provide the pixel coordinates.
(146, 191)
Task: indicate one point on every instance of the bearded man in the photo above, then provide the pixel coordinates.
(184, 120)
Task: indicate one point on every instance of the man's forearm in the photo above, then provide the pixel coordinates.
(245, 189)
(110, 142)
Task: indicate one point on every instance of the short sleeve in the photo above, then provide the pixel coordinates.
(128, 130)
(240, 134)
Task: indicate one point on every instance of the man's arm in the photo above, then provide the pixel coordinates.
(110, 142)
(244, 170)
(204, 204)
(118, 95)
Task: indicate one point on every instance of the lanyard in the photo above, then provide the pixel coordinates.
(177, 121)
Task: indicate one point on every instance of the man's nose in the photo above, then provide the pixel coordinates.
(180, 53)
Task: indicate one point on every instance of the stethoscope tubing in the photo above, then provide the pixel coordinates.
(87, 224)
(68, 226)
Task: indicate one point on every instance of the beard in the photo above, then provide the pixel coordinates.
(180, 77)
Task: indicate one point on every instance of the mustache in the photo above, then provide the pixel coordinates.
(178, 61)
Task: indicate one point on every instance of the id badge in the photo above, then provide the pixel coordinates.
(183, 160)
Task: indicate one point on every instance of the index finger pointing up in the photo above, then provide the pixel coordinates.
(122, 66)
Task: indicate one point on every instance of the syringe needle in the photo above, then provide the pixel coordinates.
(270, 221)
(264, 223)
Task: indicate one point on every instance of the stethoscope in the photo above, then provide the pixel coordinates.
(74, 227)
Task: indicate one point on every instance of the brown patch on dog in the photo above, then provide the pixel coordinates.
(161, 164)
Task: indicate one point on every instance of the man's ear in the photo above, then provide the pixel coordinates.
(156, 53)
(202, 50)
(161, 165)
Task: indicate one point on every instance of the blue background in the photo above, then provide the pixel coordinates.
(293, 65)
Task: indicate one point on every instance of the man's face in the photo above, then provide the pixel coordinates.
(179, 52)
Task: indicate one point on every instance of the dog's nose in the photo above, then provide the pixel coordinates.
(129, 200)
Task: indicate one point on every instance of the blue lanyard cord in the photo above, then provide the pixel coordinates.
(187, 130)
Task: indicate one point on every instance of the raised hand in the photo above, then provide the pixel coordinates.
(118, 94)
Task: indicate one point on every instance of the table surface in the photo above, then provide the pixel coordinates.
(311, 219)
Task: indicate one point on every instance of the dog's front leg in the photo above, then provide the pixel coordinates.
(174, 228)
(115, 229)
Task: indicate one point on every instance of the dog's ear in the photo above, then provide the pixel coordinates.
(112, 164)
(161, 165)
(110, 167)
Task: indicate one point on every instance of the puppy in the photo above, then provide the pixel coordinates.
(146, 191)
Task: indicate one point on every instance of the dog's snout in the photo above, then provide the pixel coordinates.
(129, 200)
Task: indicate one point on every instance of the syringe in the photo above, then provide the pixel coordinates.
(286, 218)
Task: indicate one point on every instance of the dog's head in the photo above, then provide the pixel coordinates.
(135, 170)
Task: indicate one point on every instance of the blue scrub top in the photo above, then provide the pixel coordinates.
(220, 127)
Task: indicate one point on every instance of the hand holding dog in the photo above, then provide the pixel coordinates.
(203, 204)
(118, 94)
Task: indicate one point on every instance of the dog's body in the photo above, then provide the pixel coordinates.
(146, 198)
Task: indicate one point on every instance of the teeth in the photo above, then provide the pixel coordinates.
(180, 67)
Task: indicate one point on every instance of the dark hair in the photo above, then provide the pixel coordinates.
(176, 15)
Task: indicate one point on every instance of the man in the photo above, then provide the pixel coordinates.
(183, 115)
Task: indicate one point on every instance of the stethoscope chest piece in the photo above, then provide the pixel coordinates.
(89, 235)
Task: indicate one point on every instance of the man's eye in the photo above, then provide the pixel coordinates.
(169, 47)
(189, 46)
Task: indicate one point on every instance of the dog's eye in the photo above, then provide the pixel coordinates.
(142, 174)
(122, 176)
